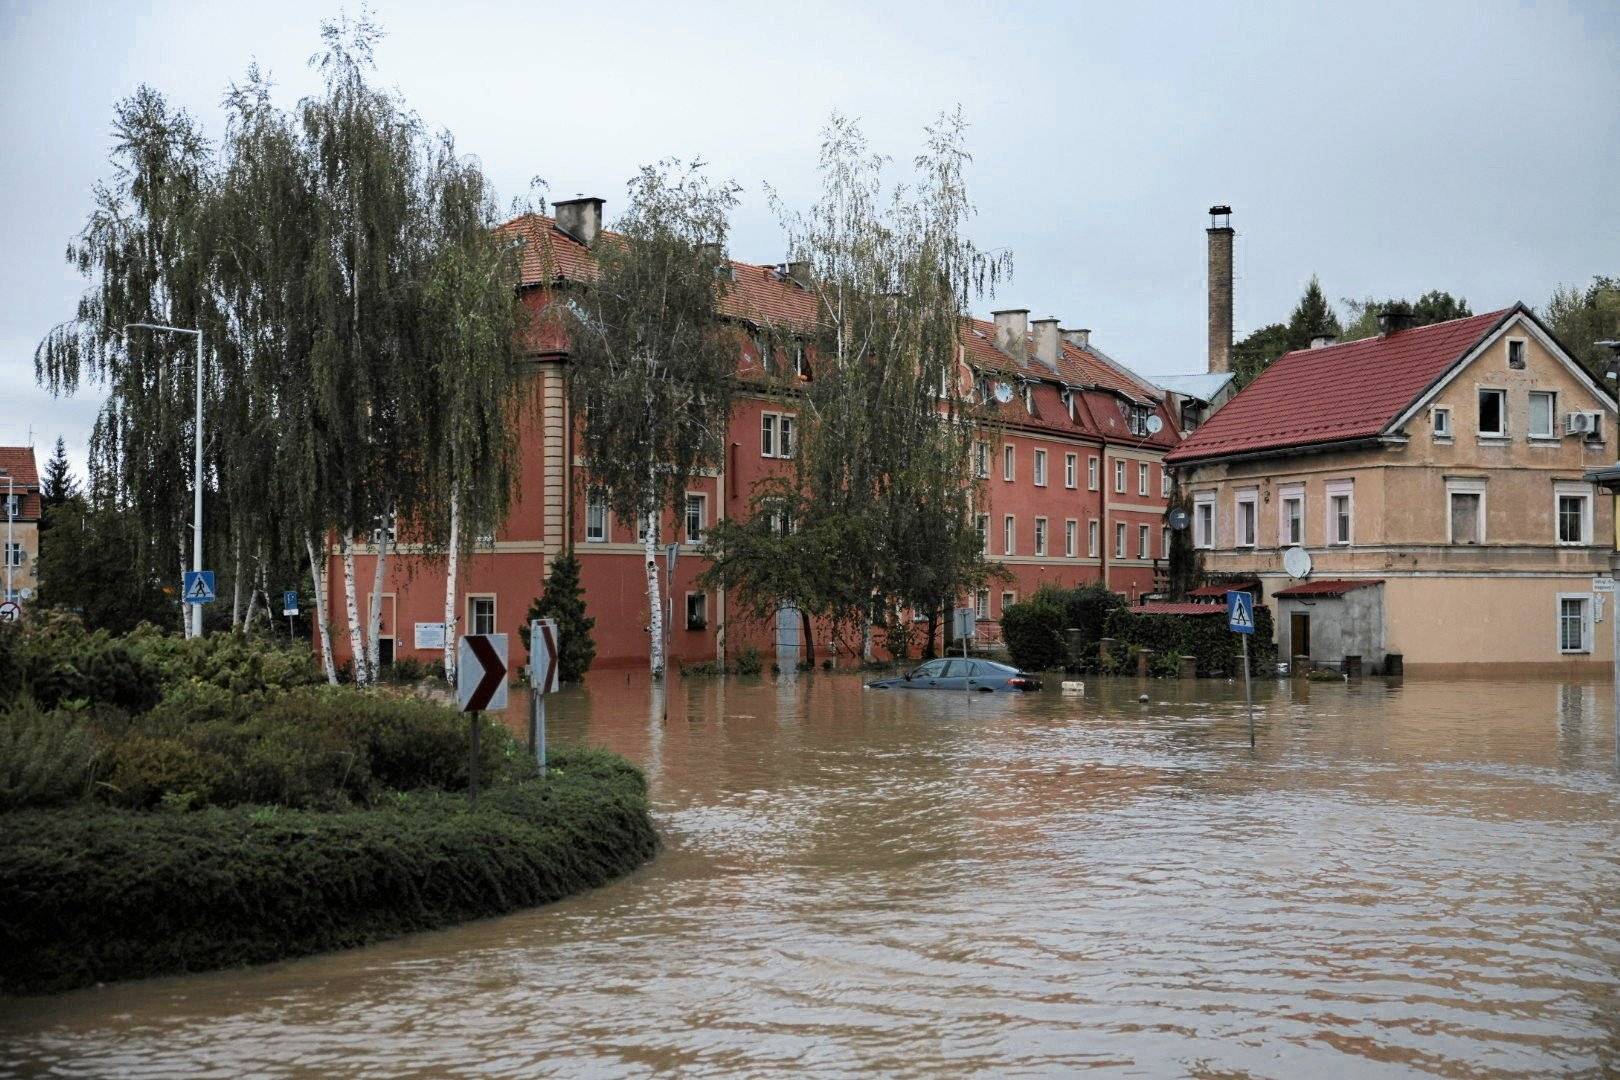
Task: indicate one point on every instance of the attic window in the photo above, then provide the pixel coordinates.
(1516, 354)
(1029, 399)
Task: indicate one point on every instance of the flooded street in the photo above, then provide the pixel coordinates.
(1400, 879)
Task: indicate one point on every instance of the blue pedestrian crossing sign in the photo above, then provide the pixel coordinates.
(1240, 612)
(199, 587)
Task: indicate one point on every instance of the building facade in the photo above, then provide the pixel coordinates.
(19, 523)
(1069, 466)
(1434, 478)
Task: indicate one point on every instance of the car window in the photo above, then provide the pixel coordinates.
(983, 670)
(930, 670)
(991, 669)
(957, 669)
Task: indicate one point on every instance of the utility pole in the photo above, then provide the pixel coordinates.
(196, 620)
(11, 515)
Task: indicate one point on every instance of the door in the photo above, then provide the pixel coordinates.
(927, 677)
(787, 637)
(385, 630)
(955, 675)
(1299, 634)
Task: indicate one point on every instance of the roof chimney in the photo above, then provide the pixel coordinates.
(801, 274)
(580, 217)
(1394, 318)
(1047, 341)
(716, 254)
(1220, 288)
(1080, 339)
(1012, 328)
(1322, 341)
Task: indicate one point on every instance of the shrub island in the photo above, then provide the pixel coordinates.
(170, 805)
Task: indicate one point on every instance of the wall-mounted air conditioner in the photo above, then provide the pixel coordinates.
(1589, 424)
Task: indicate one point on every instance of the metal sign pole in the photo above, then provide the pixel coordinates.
(472, 764)
(1248, 693)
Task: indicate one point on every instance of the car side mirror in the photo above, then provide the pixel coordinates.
(910, 673)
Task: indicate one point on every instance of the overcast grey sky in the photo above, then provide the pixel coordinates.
(1390, 149)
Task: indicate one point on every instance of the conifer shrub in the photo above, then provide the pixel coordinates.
(564, 601)
(93, 893)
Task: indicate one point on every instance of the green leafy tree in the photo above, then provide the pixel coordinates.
(1312, 317)
(1580, 318)
(1186, 562)
(96, 561)
(877, 485)
(1432, 307)
(653, 368)
(564, 601)
(1255, 353)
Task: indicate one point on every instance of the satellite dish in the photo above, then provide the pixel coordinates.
(1003, 392)
(1154, 425)
(1297, 562)
(1177, 519)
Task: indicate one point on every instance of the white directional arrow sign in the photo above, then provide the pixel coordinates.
(481, 672)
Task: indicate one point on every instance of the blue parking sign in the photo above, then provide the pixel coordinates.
(289, 602)
(1240, 612)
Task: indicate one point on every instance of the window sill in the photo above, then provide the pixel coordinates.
(1444, 440)
(1493, 440)
(1545, 440)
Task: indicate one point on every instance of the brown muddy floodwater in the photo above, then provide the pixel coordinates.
(1401, 879)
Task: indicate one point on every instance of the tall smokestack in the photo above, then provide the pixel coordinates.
(1220, 288)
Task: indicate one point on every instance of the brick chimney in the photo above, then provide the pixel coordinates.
(801, 274)
(1394, 318)
(1012, 329)
(1048, 341)
(580, 217)
(1080, 339)
(1220, 288)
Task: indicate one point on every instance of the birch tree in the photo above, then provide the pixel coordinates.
(881, 482)
(653, 366)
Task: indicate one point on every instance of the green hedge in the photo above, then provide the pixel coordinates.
(1218, 650)
(1036, 629)
(92, 894)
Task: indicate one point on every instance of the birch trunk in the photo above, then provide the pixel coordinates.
(185, 608)
(655, 602)
(374, 616)
(236, 583)
(252, 608)
(452, 564)
(357, 642)
(317, 573)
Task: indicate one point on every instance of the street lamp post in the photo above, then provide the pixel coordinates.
(11, 515)
(196, 620)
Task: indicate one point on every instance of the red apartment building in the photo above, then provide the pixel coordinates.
(1073, 476)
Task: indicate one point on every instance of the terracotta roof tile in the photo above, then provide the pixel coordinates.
(1349, 391)
(1163, 607)
(19, 462)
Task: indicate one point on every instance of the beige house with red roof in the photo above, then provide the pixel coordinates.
(1434, 477)
(20, 512)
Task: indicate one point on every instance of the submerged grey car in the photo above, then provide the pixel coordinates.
(959, 674)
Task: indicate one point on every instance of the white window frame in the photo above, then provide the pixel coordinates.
(981, 460)
(1586, 622)
(1524, 353)
(1009, 535)
(981, 604)
(472, 613)
(767, 434)
(1040, 536)
(1204, 535)
(1292, 493)
(1119, 476)
(1009, 462)
(1164, 482)
(1143, 473)
(787, 435)
(1569, 489)
(1071, 538)
(1071, 471)
(1479, 397)
(1144, 542)
(984, 531)
(1092, 469)
(15, 554)
(1333, 490)
(596, 518)
(1551, 434)
(1093, 538)
(1246, 497)
(1440, 422)
(1040, 468)
(1468, 486)
(701, 498)
(1164, 541)
(1121, 540)
(1008, 599)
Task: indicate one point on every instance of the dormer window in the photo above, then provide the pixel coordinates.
(1029, 399)
(801, 361)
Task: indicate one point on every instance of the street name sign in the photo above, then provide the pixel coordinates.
(1240, 612)
(289, 602)
(481, 672)
(199, 587)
